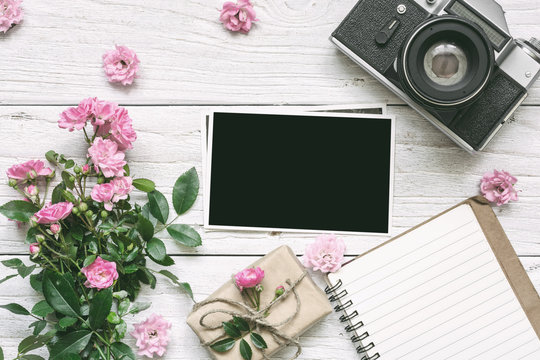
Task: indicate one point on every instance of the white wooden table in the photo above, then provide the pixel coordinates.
(189, 62)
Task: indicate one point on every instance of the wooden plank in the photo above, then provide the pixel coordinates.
(431, 172)
(54, 56)
(326, 340)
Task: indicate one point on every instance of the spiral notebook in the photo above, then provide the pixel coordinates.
(450, 288)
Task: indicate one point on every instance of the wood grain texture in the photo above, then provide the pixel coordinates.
(325, 341)
(54, 56)
(431, 173)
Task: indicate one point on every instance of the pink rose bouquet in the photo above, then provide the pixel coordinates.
(11, 14)
(498, 187)
(152, 336)
(90, 245)
(238, 16)
(121, 65)
(325, 254)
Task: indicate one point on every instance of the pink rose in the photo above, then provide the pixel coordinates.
(325, 254)
(104, 193)
(249, 278)
(122, 187)
(10, 14)
(152, 336)
(92, 109)
(34, 248)
(103, 111)
(121, 65)
(55, 228)
(28, 170)
(53, 213)
(85, 169)
(101, 274)
(498, 187)
(106, 156)
(239, 16)
(122, 130)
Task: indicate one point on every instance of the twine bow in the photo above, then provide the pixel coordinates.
(257, 317)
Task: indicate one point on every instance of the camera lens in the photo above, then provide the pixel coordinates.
(445, 63)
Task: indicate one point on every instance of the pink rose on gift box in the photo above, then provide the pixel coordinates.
(152, 336)
(325, 254)
(249, 278)
(28, 170)
(121, 65)
(53, 213)
(107, 158)
(10, 14)
(103, 193)
(101, 274)
(498, 187)
(239, 16)
(122, 187)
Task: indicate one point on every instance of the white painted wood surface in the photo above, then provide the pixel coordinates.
(53, 59)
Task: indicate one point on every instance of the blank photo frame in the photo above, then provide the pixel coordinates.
(299, 171)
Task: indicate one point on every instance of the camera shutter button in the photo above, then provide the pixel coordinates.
(383, 36)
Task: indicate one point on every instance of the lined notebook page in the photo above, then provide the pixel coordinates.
(438, 292)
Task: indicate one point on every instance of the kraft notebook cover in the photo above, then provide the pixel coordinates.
(449, 288)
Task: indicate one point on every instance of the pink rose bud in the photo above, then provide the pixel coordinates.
(152, 336)
(55, 228)
(34, 248)
(40, 238)
(498, 187)
(31, 190)
(86, 169)
(249, 278)
(280, 290)
(239, 16)
(101, 274)
(325, 254)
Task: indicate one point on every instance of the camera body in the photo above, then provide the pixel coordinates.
(453, 61)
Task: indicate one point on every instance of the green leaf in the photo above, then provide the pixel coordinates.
(36, 282)
(185, 191)
(33, 342)
(42, 309)
(156, 249)
(119, 295)
(145, 228)
(7, 278)
(159, 207)
(130, 269)
(69, 164)
(123, 307)
(31, 235)
(100, 307)
(66, 322)
(241, 323)
(31, 357)
(69, 196)
(113, 318)
(38, 326)
(138, 307)
(223, 345)
(66, 177)
(72, 343)
(245, 350)
(24, 270)
(145, 211)
(16, 309)
(144, 185)
(12, 263)
(18, 210)
(120, 330)
(258, 341)
(133, 254)
(122, 352)
(1, 354)
(185, 286)
(58, 193)
(185, 235)
(89, 260)
(231, 329)
(51, 156)
(59, 294)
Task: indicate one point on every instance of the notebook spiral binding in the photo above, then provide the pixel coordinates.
(334, 296)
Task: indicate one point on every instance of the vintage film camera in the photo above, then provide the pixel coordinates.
(452, 61)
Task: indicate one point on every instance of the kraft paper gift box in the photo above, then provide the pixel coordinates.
(279, 266)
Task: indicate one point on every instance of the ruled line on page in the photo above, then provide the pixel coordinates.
(505, 341)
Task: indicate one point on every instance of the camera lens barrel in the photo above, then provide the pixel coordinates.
(446, 62)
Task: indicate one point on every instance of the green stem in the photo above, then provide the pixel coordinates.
(100, 352)
(46, 192)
